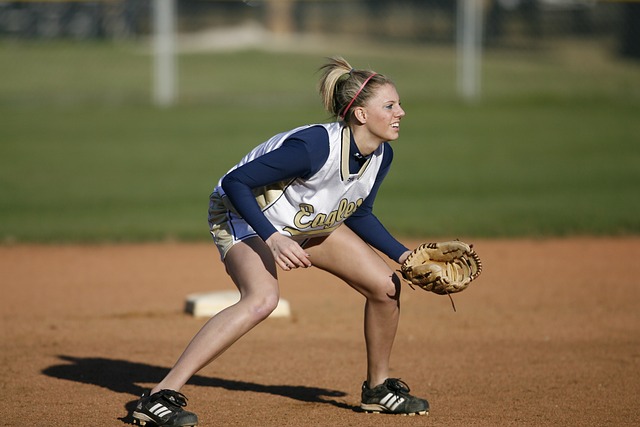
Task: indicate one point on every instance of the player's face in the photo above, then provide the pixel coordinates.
(383, 112)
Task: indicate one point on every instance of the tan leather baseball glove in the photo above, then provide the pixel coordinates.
(443, 268)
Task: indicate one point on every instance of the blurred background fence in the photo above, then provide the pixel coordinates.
(521, 23)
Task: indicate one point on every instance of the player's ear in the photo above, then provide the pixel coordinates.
(360, 114)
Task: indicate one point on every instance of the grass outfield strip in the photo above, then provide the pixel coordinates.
(553, 148)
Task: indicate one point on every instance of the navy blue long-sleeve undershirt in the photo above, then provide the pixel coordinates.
(302, 155)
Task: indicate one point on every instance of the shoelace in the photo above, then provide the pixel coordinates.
(397, 385)
(175, 397)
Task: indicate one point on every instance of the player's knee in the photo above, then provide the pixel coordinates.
(261, 306)
(387, 290)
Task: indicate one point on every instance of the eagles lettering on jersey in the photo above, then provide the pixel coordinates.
(328, 222)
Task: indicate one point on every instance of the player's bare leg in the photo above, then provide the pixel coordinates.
(250, 265)
(381, 288)
(375, 281)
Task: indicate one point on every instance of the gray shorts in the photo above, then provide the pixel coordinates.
(226, 227)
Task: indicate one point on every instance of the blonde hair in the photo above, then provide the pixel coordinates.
(343, 88)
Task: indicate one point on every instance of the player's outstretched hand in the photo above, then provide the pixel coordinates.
(287, 252)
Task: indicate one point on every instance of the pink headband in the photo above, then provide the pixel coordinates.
(344, 112)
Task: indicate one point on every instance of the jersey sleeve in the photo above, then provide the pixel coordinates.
(301, 155)
(366, 225)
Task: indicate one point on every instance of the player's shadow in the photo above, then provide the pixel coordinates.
(123, 376)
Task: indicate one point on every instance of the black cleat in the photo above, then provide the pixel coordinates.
(392, 397)
(164, 408)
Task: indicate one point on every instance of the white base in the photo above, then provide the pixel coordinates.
(208, 304)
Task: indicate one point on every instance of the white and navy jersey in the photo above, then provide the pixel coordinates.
(308, 181)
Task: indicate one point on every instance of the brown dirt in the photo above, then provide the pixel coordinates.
(549, 335)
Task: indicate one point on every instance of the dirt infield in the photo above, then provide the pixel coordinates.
(549, 335)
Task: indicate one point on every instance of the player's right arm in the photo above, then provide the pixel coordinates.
(301, 155)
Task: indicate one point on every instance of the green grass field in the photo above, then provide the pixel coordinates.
(552, 148)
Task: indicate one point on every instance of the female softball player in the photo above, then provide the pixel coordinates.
(305, 198)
